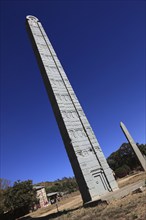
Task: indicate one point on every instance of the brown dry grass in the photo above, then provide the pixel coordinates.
(128, 208)
(72, 200)
(131, 179)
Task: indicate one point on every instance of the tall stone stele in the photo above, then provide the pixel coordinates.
(93, 175)
(134, 146)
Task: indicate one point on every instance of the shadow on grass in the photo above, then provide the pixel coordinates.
(102, 203)
(52, 215)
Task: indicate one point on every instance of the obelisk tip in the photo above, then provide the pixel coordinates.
(31, 17)
(121, 123)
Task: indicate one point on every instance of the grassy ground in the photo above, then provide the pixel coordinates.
(131, 179)
(127, 208)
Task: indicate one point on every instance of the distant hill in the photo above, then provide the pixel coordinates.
(61, 185)
(124, 161)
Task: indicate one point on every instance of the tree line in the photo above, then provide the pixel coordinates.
(124, 161)
(65, 184)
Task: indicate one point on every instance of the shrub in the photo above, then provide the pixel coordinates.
(122, 171)
(20, 198)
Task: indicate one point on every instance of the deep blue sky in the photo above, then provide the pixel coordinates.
(101, 45)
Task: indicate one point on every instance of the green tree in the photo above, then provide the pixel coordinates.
(125, 156)
(142, 148)
(63, 185)
(20, 198)
(122, 171)
(4, 185)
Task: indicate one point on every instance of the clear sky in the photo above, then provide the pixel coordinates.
(101, 45)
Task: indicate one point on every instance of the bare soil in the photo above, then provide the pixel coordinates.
(70, 207)
(131, 179)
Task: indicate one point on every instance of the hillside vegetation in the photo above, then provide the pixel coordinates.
(66, 185)
(124, 161)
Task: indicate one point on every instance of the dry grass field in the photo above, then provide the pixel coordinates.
(131, 179)
(132, 206)
(128, 208)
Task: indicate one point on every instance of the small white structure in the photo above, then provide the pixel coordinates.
(41, 195)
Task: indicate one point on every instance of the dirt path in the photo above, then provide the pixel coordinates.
(127, 185)
(131, 179)
(74, 200)
(74, 203)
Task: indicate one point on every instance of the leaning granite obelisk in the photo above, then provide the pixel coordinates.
(133, 145)
(93, 175)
